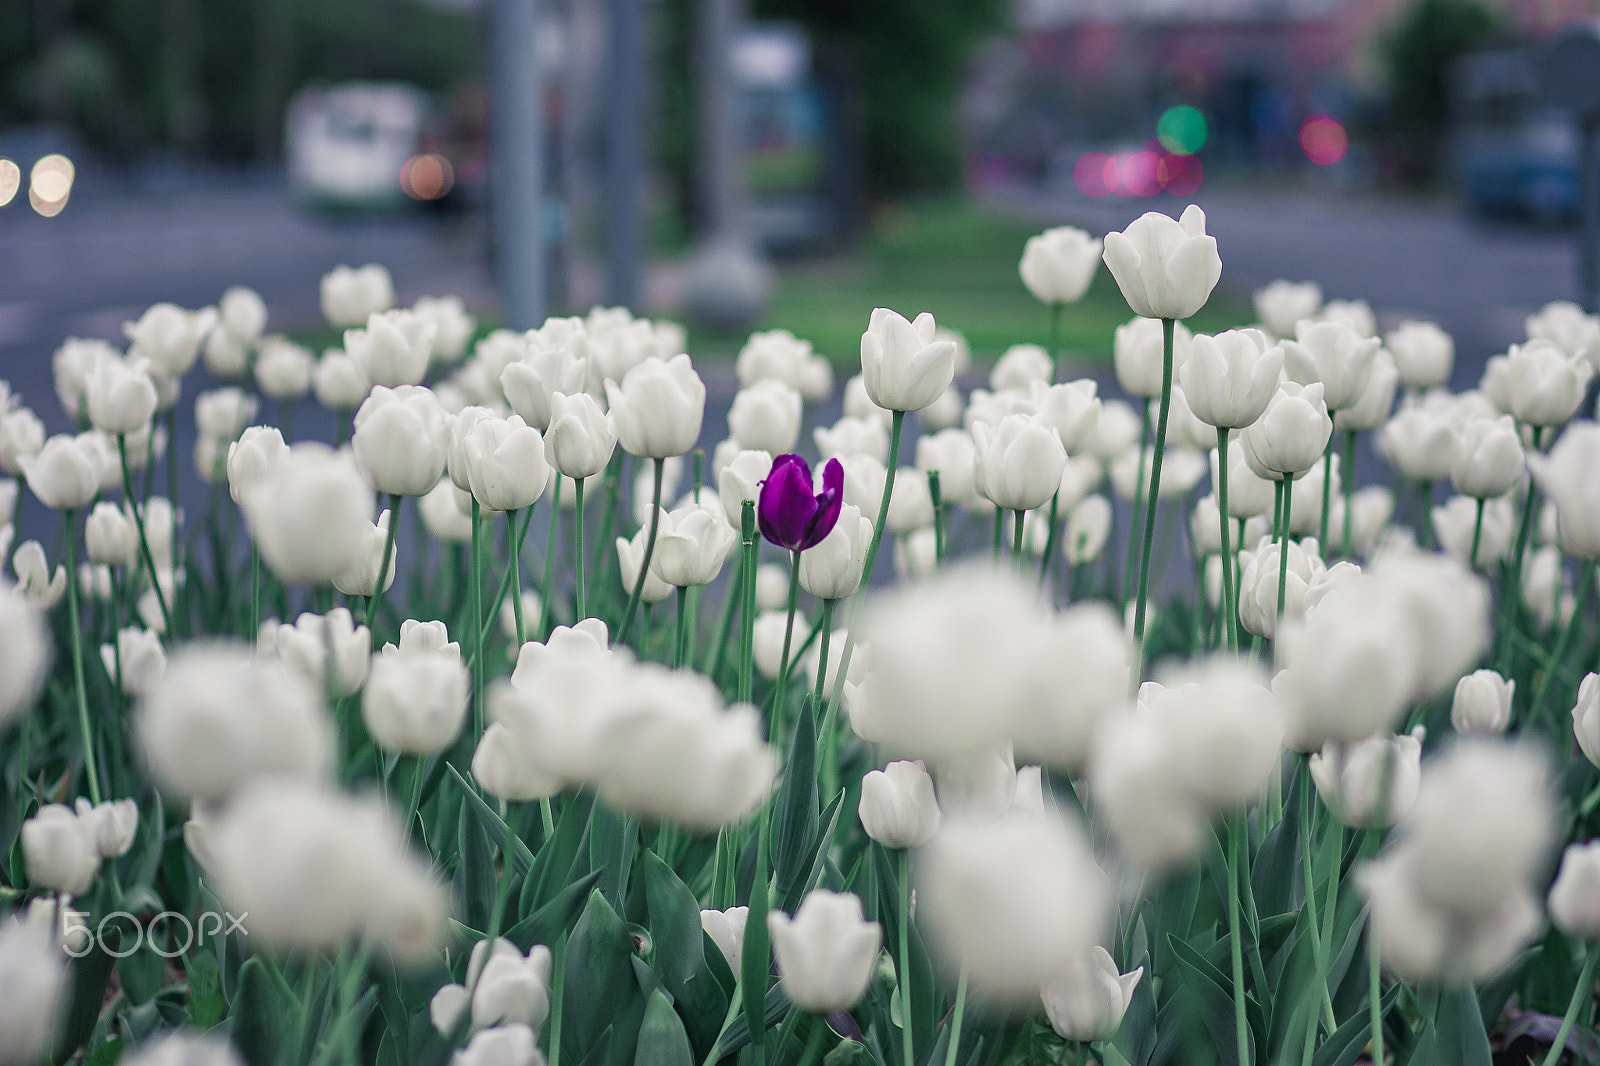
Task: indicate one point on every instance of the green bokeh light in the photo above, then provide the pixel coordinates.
(1182, 130)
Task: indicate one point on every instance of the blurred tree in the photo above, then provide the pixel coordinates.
(909, 58)
(130, 75)
(1417, 56)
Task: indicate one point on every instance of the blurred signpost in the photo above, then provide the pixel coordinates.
(1572, 81)
(516, 161)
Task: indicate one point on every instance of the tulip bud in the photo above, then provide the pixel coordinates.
(692, 543)
(1020, 367)
(904, 366)
(740, 479)
(42, 588)
(898, 808)
(394, 349)
(1420, 443)
(630, 557)
(916, 555)
(1372, 783)
(1334, 354)
(109, 537)
(21, 436)
(113, 825)
(726, 930)
(169, 337)
(65, 474)
(1308, 581)
(1570, 476)
(1088, 526)
(305, 647)
(22, 654)
(509, 988)
(339, 381)
(832, 568)
(951, 453)
(1229, 379)
(1575, 896)
(60, 849)
(1138, 352)
(765, 417)
(142, 658)
(283, 370)
(309, 513)
(826, 953)
(581, 437)
(1372, 409)
(1058, 264)
(1488, 459)
(452, 326)
(1423, 354)
(852, 436)
(1586, 717)
(120, 395)
(779, 355)
(1482, 703)
(1165, 268)
(34, 973)
(251, 459)
(349, 296)
(658, 407)
(1543, 384)
(402, 440)
(365, 570)
(1087, 999)
(1290, 436)
(505, 463)
(1020, 462)
(415, 703)
(1282, 304)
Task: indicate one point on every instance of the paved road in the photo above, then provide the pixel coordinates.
(1477, 279)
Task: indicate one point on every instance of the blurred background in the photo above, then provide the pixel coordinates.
(773, 162)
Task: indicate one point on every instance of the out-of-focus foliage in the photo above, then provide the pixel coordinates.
(1417, 57)
(212, 78)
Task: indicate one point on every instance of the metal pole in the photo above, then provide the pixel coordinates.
(517, 163)
(624, 151)
(1589, 208)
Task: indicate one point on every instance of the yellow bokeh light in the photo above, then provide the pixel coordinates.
(10, 180)
(51, 180)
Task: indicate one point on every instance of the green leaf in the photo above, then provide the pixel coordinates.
(142, 974)
(613, 840)
(206, 1004)
(89, 975)
(107, 1054)
(1215, 999)
(547, 923)
(680, 953)
(1455, 1036)
(556, 864)
(1347, 1042)
(773, 1008)
(475, 880)
(819, 857)
(258, 1016)
(599, 978)
(794, 813)
(662, 1040)
(493, 825)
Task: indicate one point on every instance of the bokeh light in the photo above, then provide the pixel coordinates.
(1324, 140)
(10, 181)
(1181, 175)
(1090, 174)
(1182, 130)
(426, 177)
(51, 179)
(1140, 172)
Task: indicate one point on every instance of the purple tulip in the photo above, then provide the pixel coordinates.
(790, 516)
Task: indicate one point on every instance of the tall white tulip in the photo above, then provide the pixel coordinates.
(898, 808)
(1165, 268)
(1228, 379)
(1291, 435)
(1335, 355)
(581, 437)
(1020, 462)
(505, 463)
(1570, 476)
(658, 407)
(832, 568)
(904, 366)
(394, 349)
(1282, 304)
(1058, 264)
(765, 416)
(350, 296)
(827, 952)
(1087, 999)
(402, 439)
(1423, 354)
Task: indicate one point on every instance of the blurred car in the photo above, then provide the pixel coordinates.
(381, 146)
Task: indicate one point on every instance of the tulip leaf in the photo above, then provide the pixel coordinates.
(141, 975)
(1346, 1043)
(475, 880)
(544, 925)
(1215, 999)
(599, 977)
(257, 1014)
(1455, 1036)
(794, 818)
(613, 841)
(680, 952)
(755, 962)
(662, 1040)
(774, 1006)
(819, 858)
(519, 855)
(557, 862)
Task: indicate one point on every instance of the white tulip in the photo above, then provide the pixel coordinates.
(581, 438)
(1058, 264)
(60, 850)
(1544, 385)
(852, 436)
(904, 365)
(780, 355)
(42, 587)
(898, 808)
(1570, 476)
(1575, 896)
(1138, 352)
(1482, 703)
(365, 571)
(1020, 367)
(1165, 268)
(23, 653)
(1357, 314)
(1423, 354)
(65, 474)
(33, 991)
(1088, 526)
(826, 953)
(1334, 354)
(692, 543)
(832, 569)
(1454, 524)
(726, 930)
(143, 661)
(452, 326)
(1586, 717)
(505, 463)
(1087, 999)
(109, 537)
(251, 459)
(305, 647)
(658, 407)
(1290, 436)
(21, 436)
(283, 370)
(309, 514)
(765, 416)
(350, 296)
(1282, 304)
(1370, 783)
(402, 440)
(1020, 462)
(739, 480)
(169, 337)
(1372, 409)
(120, 395)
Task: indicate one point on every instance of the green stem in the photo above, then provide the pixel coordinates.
(516, 572)
(477, 618)
(1580, 995)
(1017, 530)
(1477, 536)
(1055, 331)
(649, 550)
(1241, 1027)
(999, 531)
(1585, 579)
(936, 493)
(516, 539)
(546, 618)
(1135, 522)
(255, 591)
(1154, 495)
(814, 1041)
(558, 975)
(577, 544)
(1513, 595)
(1230, 602)
(677, 644)
(1327, 493)
(376, 599)
(1349, 494)
(1426, 492)
(747, 616)
(90, 770)
(144, 540)
(1375, 994)
(1318, 960)
(1287, 489)
(783, 660)
(717, 654)
(907, 1036)
(955, 1023)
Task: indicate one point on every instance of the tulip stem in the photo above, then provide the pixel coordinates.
(144, 540)
(558, 977)
(1016, 536)
(1585, 579)
(1513, 595)
(1230, 602)
(515, 540)
(649, 550)
(936, 494)
(747, 592)
(1327, 492)
(476, 627)
(1134, 522)
(783, 661)
(255, 592)
(907, 1036)
(678, 642)
(1050, 540)
(999, 530)
(1580, 996)
(1286, 490)
(1425, 491)
(1241, 1026)
(375, 601)
(90, 771)
(1349, 472)
(545, 617)
(577, 544)
(1477, 536)
(717, 654)
(1375, 994)
(955, 1023)
(814, 1041)
(516, 570)
(1167, 326)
